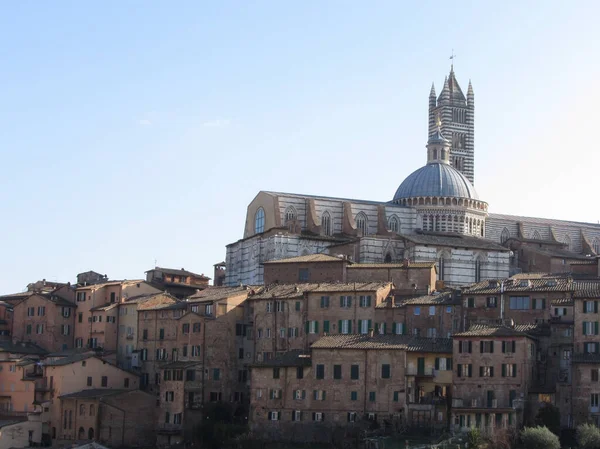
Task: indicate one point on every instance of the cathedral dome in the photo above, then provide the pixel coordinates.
(436, 180)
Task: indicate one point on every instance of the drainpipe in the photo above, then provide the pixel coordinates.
(365, 383)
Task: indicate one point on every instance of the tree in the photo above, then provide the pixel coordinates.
(588, 436)
(474, 439)
(539, 438)
(549, 416)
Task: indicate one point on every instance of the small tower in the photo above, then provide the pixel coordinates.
(432, 106)
(438, 147)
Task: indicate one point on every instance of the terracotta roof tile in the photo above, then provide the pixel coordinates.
(393, 265)
(290, 291)
(174, 271)
(220, 293)
(485, 330)
(584, 290)
(401, 342)
(158, 301)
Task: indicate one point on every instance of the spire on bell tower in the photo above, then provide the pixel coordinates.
(432, 106)
(438, 147)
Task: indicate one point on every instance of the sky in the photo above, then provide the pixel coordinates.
(136, 133)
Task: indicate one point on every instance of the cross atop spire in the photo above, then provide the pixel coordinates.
(452, 58)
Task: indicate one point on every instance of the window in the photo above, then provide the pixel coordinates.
(80, 296)
(274, 394)
(80, 317)
(318, 416)
(290, 214)
(89, 381)
(42, 310)
(372, 396)
(465, 346)
(431, 310)
(65, 329)
(362, 223)
(364, 326)
(169, 396)
(195, 309)
(259, 333)
(319, 395)
(31, 311)
(393, 224)
(399, 328)
(354, 395)
(298, 305)
(417, 311)
(509, 370)
(560, 311)
(465, 370)
(303, 275)
(345, 326)
(337, 371)
(39, 329)
(313, 327)
(196, 328)
(282, 332)
(431, 332)
(292, 332)
(594, 400)
(208, 310)
(326, 223)
(594, 375)
(509, 347)
(491, 302)
(324, 302)
(486, 347)
(161, 334)
(365, 301)
(590, 306)
(385, 371)
(539, 303)
(259, 221)
(354, 372)
(320, 373)
(471, 303)
(275, 373)
(299, 372)
(190, 375)
(486, 371)
(185, 328)
(28, 329)
(269, 306)
(299, 394)
(296, 415)
(443, 363)
(519, 302)
(104, 381)
(590, 328)
(591, 348)
(345, 301)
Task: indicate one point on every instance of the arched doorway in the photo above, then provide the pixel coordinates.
(81, 433)
(90, 434)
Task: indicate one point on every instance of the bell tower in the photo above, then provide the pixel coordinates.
(457, 115)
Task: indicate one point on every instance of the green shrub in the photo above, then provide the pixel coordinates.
(588, 436)
(539, 438)
(474, 438)
(549, 416)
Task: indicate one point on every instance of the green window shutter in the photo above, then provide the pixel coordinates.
(514, 370)
(449, 364)
(370, 325)
(395, 328)
(341, 301)
(584, 326)
(437, 363)
(384, 328)
(303, 394)
(491, 371)
(315, 394)
(584, 306)
(481, 371)
(326, 326)
(376, 328)
(459, 371)
(470, 370)
(359, 326)
(339, 326)
(349, 326)
(503, 370)
(503, 347)
(324, 394)
(595, 306)
(596, 328)
(369, 301)
(544, 303)
(481, 347)
(514, 346)
(396, 396)
(460, 346)
(470, 347)
(306, 327)
(349, 301)
(492, 346)
(316, 327)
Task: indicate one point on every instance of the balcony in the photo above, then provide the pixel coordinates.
(129, 337)
(420, 372)
(169, 429)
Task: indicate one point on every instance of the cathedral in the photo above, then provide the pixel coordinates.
(434, 215)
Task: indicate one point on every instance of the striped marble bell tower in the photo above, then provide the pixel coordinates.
(457, 115)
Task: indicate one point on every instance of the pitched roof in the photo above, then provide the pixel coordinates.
(560, 253)
(92, 393)
(62, 361)
(290, 291)
(485, 330)
(21, 348)
(295, 357)
(443, 298)
(541, 221)
(453, 240)
(159, 301)
(527, 282)
(401, 342)
(179, 364)
(308, 258)
(220, 293)
(105, 307)
(584, 290)
(175, 271)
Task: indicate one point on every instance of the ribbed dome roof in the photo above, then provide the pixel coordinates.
(436, 179)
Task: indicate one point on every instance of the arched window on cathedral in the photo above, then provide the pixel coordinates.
(259, 221)
(443, 257)
(326, 223)
(394, 224)
(567, 242)
(362, 223)
(434, 153)
(388, 258)
(477, 269)
(504, 236)
(536, 236)
(290, 214)
(425, 225)
(596, 245)
(443, 154)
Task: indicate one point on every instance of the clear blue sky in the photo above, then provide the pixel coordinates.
(140, 130)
